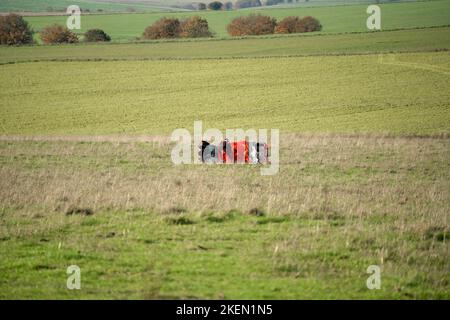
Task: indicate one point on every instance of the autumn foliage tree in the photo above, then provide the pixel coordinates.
(310, 24)
(58, 34)
(252, 25)
(163, 28)
(14, 30)
(195, 27)
(297, 25)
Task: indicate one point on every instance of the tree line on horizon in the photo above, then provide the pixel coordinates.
(252, 25)
(15, 30)
(238, 4)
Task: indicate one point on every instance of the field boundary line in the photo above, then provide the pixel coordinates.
(336, 54)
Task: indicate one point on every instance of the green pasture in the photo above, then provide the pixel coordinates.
(390, 93)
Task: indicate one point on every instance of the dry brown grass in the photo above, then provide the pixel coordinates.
(320, 175)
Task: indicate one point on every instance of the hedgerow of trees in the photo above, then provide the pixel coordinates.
(241, 4)
(96, 35)
(14, 30)
(58, 34)
(274, 2)
(310, 24)
(252, 25)
(297, 25)
(215, 5)
(255, 24)
(261, 25)
(193, 27)
(163, 28)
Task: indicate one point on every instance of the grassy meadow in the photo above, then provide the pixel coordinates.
(86, 177)
(337, 19)
(338, 205)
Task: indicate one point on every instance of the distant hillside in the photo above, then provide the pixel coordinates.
(97, 6)
(85, 5)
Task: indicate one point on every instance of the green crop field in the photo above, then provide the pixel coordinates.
(319, 94)
(86, 176)
(125, 27)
